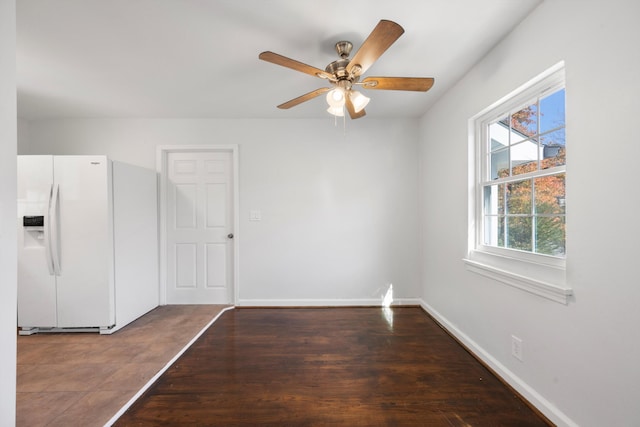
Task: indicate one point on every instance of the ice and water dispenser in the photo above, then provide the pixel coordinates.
(33, 221)
(33, 230)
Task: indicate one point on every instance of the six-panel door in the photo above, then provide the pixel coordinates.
(199, 227)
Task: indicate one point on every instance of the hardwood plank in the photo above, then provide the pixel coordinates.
(85, 378)
(340, 366)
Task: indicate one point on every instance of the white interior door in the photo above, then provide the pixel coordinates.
(199, 220)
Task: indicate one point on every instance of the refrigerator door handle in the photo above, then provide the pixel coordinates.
(47, 235)
(55, 235)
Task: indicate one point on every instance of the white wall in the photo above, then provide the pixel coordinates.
(339, 211)
(8, 248)
(580, 360)
(23, 134)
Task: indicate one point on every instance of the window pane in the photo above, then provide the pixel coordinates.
(550, 235)
(494, 230)
(499, 134)
(494, 199)
(555, 138)
(519, 197)
(552, 111)
(549, 194)
(524, 123)
(519, 233)
(554, 150)
(524, 157)
(499, 164)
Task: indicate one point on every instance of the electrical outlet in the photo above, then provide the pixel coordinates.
(516, 347)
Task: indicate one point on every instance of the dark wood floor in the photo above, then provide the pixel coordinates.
(328, 366)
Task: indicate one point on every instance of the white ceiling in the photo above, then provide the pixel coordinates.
(199, 58)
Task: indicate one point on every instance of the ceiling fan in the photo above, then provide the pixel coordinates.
(345, 73)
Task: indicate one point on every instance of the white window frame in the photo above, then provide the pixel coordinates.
(539, 274)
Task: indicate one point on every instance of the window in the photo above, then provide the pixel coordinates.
(523, 177)
(519, 203)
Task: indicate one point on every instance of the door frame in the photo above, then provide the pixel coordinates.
(162, 153)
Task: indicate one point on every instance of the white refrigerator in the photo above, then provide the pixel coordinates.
(87, 243)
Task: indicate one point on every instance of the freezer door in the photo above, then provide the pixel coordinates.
(85, 279)
(36, 283)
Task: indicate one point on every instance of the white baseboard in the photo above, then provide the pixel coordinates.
(544, 406)
(323, 302)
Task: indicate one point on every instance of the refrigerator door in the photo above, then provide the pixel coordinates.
(36, 284)
(84, 226)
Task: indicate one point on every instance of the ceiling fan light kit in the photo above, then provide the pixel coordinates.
(336, 111)
(345, 73)
(335, 98)
(358, 100)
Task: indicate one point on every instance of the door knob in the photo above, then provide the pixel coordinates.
(230, 235)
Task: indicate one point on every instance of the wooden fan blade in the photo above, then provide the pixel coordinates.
(303, 98)
(352, 111)
(382, 36)
(277, 59)
(419, 84)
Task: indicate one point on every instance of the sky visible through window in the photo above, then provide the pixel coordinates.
(552, 116)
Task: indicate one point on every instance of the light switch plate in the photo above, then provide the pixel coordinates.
(255, 215)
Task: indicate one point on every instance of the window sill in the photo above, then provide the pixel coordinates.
(547, 283)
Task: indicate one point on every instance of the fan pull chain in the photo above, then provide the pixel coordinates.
(344, 123)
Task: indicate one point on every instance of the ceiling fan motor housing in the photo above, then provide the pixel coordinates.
(338, 69)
